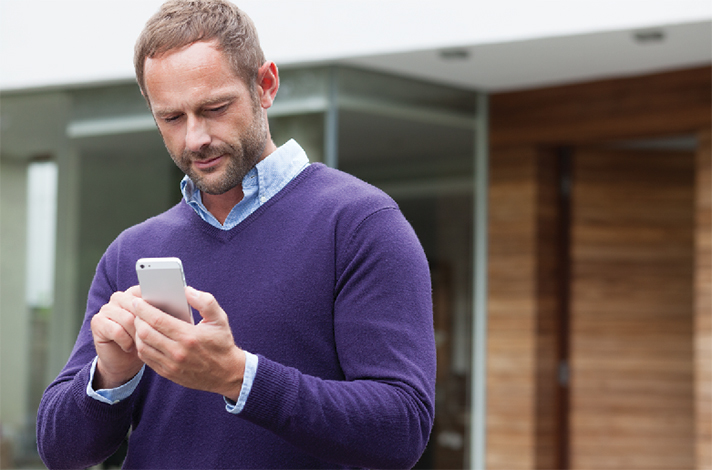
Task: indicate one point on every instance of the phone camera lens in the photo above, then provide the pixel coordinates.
(141, 266)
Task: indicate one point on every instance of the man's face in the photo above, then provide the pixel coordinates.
(213, 127)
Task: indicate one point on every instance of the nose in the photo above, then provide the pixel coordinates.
(197, 136)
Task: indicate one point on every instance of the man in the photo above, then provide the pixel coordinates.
(314, 274)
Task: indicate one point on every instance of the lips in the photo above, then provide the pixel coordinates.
(207, 164)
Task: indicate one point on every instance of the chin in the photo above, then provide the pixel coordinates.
(215, 188)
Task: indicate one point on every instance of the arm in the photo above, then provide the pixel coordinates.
(381, 415)
(75, 430)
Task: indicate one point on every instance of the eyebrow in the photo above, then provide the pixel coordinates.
(220, 99)
(228, 98)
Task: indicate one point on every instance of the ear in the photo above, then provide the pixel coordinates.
(267, 84)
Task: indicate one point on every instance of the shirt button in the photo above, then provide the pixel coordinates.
(263, 199)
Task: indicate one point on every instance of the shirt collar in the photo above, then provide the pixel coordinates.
(259, 185)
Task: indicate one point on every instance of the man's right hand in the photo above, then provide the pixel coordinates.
(113, 331)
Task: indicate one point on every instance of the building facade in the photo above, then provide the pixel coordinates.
(568, 228)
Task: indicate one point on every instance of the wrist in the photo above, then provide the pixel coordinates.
(234, 384)
(107, 380)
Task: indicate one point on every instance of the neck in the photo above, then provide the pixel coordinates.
(220, 205)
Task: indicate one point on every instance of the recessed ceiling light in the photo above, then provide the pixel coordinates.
(454, 54)
(649, 36)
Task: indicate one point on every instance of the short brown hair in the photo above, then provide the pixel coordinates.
(179, 23)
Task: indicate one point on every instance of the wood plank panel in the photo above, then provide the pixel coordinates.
(511, 308)
(632, 321)
(522, 428)
(661, 104)
(652, 106)
(703, 301)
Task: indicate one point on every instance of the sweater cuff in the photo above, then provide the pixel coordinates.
(112, 396)
(95, 409)
(273, 395)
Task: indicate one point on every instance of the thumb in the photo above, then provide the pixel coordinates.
(205, 304)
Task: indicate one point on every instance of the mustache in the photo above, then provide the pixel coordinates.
(208, 152)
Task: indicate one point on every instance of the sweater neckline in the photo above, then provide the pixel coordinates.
(226, 235)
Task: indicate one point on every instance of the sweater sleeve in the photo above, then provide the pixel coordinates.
(381, 415)
(75, 430)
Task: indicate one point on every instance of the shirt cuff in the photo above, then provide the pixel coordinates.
(111, 396)
(247, 380)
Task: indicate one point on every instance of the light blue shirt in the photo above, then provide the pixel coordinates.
(265, 180)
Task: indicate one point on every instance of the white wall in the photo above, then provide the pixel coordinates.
(48, 42)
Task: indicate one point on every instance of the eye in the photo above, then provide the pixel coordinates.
(217, 109)
(172, 118)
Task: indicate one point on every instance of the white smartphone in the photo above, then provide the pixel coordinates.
(163, 286)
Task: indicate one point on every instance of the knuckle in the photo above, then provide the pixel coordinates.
(142, 333)
(141, 349)
(102, 313)
(112, 329)
(171, 370)
(190, 343)
(158, 322)
(101, 328)
(210, 301)
(180, 356)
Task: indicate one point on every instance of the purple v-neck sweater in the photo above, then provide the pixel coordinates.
(328, 284)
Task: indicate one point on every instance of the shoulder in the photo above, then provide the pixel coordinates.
(342, 190)
(149, 238)
(165, 223)
(360, 214)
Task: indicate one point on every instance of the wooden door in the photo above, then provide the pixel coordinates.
(631, 343)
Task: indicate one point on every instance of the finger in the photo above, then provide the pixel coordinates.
(205, 304)
(134, 290)
(149, 343)
(105, 330)
(165, 356)
(159, 320)
(148, 335)
(114, 324)
(123, 300)
(123, 317)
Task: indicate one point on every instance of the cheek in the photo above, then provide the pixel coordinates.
(174, 141)
(233, 127)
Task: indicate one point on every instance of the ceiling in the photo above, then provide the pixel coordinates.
(490, 45)
(554, 60)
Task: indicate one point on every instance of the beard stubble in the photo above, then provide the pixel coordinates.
(242, 155)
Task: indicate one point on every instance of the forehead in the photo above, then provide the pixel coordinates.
(195, 71)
